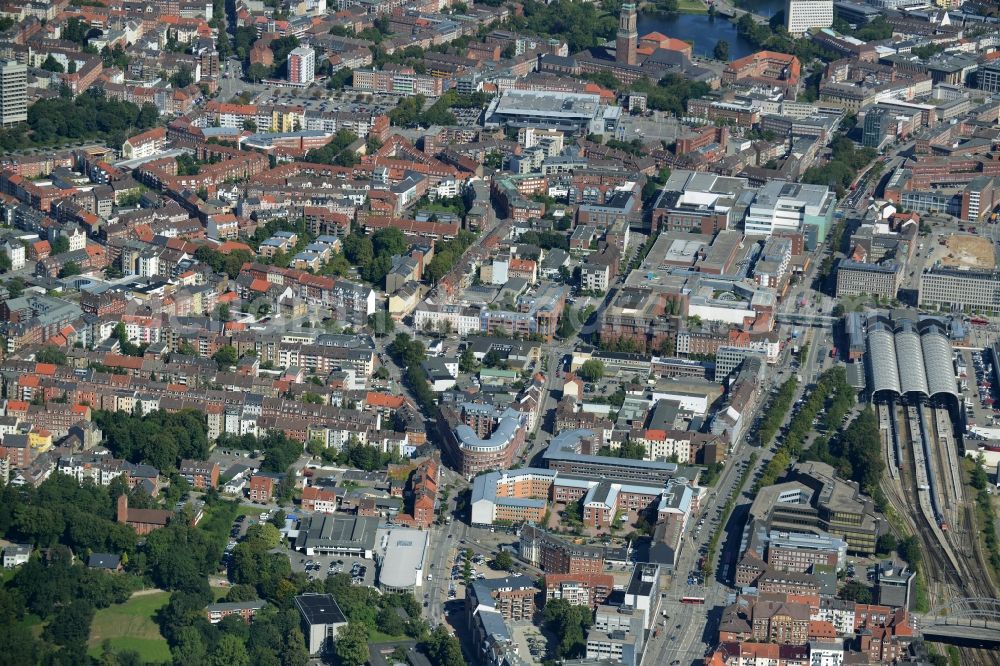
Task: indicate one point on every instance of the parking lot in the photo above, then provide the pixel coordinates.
(978, 391)
(361, 571)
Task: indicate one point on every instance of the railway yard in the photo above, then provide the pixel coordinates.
(925, 470)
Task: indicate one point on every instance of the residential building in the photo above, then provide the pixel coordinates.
(201, 474)
(319, 500)
(302, 65)
(15, 555)
(246, 610)
(260, 488)
(13, 93)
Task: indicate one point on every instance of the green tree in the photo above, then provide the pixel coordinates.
(229, 651)
(60, 244)
(503, 560)
(721, 50)
(71, 626)
(53, 65)
(591, 370)
(856, 591)
(886, 544)
(225, 357)
(389, 622)
(51, 354)
(381, 324)
(569, 624)
(351, 647)
(442, 648)
(182, 78)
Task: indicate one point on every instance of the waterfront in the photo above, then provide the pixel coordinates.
(704, 31)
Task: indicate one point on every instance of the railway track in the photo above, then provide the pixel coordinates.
(949, 573)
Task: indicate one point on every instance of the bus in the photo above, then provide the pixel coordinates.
(692, 600)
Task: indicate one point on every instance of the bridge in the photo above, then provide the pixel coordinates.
(972, 622)
(823, 321)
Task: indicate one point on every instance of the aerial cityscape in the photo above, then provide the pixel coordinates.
(500, 333)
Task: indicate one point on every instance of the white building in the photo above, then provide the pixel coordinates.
(783, 206)
(15, 252)
(801, 15)
(401, 556)
(826, 653)
(302, 65)
(13, 93)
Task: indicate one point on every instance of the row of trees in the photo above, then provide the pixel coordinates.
(446, 254)
(846, 162)
(409, 354)
(830, 383)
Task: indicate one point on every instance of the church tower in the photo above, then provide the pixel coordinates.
(628, 35)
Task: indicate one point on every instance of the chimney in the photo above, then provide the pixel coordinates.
(123, 508)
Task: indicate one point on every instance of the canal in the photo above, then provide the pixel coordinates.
(704, 31)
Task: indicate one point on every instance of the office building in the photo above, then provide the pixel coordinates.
(302, 66)
(988, 77)
(857, 277)
(792, 207)
(958, 289)
(322, 619)
(13, 93)
(802, 15)
(876, 128)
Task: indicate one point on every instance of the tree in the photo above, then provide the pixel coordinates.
(225, 357)
(71, 626)
(503, 560)
(182, 78)
(886, 544)
(389, 622)
(381, 324)
(257, 72)
(569, 623)
(351, 647)
(467, 361)
(591, 370)
(51, 354)
(390, 241)
(856, 591)
(358, 249)
(721, 50)
(60, 244)
(442, 648)
(229, 651)
(53, 65)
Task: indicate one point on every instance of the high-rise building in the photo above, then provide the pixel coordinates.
(302, 65)
(628, 35)
(13, 93)
(876, 127)
(801, 15)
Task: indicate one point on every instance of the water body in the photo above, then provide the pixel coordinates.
(705, 31)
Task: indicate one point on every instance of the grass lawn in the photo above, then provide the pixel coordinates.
(376, 636)
(130, 626)
(691, 7)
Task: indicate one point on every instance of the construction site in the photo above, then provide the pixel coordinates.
(916, 394)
